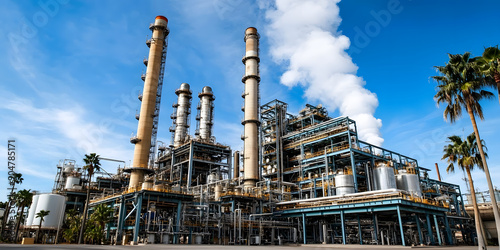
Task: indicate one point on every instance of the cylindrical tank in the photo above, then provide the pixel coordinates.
(344, 184)
(409, 182)
(237, 191)
(183, 111)
(53, 203)
(198, 239)
(383, 177)
(148, 104)
(251, 111)
(218, 192)
(206, 112)
(211, 178)
(72, 181)
(32, 210)
(158, 187)
(147, 185)
(68, 168)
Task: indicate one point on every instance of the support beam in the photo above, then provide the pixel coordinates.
(353, 167)
(190, 166)
(121, 220)
(360, 232)
(343, 227)
(375, 227)
(437, 230)
(304, 228)
(137, 218)
(178, 222)
(429, 229)
(419, 230)
(448, 230)
(401, 227)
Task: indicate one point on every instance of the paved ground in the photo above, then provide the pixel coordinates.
(211, 247)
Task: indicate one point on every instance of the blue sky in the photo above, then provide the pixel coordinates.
(71, 72)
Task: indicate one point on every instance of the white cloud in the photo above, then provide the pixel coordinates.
(304, 36)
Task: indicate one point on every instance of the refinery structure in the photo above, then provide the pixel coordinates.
(301, 178)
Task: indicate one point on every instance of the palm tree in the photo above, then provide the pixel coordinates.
(489, 64)
(92, 165)
(23, 199)
(465, 154)
(461, 86)
(102, 214)
(73, 221)
(14, 178)
(41, 215)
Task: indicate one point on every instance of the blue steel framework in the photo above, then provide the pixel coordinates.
(315, 146)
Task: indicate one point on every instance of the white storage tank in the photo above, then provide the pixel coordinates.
(211, 178)
(218, 192)
(344, 184)
(72, 181)
(54, 203)
(31, 211)
(409, 181)
(384, 177)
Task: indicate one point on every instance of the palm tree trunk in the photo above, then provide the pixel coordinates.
(494, 204)
(496, 75)
(38, 232)
(82, 228)
(480, 238)
(19, 223)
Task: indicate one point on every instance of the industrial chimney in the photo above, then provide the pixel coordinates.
(149, 102)
(182, 109)
(251, 108)
(206, 109)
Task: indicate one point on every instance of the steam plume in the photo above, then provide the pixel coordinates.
(304, 35)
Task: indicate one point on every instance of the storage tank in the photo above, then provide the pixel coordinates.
(50, 202)
(72, 181)
(218, 192)
(158, 187)
(147, 185)
(31, 211)
(384, 177)
(211, 178)
(68, 168)
(344, 184)
(198, 239)
(409, 181)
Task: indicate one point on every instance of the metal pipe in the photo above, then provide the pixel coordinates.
(236, 164)
(388, 191)
(206, 113)
(251, 119)
(437, 170)
(183, 111)
(148, 104)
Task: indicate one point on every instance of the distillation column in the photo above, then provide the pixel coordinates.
(206, 113)
(147, 112)
(182, 117)
(251, 119)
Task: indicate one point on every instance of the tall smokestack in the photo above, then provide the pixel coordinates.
(146, 117)
(205, 119)
(251, 120)
(181, 119)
